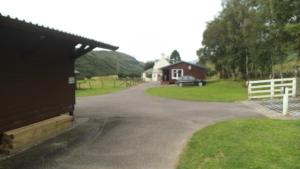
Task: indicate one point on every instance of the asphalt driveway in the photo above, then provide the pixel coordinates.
(126, 130)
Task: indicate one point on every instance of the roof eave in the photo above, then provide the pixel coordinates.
(28, 26)
(184, 62)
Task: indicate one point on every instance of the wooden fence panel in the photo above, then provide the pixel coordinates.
(272, 88)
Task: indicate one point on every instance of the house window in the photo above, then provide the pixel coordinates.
(177, 73)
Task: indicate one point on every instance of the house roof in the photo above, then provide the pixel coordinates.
(7, 21)
(196, 65)
(148, 70)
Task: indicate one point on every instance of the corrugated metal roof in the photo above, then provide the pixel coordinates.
(22, 24)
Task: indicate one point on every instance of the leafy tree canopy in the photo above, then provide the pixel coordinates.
(148, 65)
(175, 57)
(249, 37)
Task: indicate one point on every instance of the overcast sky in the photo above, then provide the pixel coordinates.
(142, 28)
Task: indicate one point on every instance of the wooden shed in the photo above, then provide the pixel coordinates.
(173, 72)
(37, 71)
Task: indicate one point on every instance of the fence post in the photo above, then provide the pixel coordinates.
(102, 83)
(272, 88)
(285, 104)
(90, 85)
(294, 88)
(249, 89)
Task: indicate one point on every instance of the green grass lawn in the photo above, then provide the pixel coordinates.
(223, 91)
(101, 85)
(244, 144)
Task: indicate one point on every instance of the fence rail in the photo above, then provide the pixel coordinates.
(107, 82)
(271, 88)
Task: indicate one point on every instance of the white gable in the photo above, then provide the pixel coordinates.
(157, 73)
(162, 62)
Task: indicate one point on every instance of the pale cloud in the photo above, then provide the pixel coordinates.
(142, 28)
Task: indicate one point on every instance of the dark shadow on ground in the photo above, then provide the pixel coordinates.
(45, 154)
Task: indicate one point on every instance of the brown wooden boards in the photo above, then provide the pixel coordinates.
(20, 138)
(36, 66)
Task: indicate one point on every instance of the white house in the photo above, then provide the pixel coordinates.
(156, 72)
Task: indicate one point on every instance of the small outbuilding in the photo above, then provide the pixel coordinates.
(173, 72)
(147, 75)
(37, 71)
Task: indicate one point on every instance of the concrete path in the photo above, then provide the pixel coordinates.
(126, 130)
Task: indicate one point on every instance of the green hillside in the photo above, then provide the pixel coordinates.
(102, 63)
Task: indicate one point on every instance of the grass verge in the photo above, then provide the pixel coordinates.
(97, 91)
(247, 144)
(219, 91)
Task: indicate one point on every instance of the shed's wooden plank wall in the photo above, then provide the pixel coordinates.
(34, 81)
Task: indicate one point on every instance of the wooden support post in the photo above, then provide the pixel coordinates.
(272, 88)
(82, 50)
(294, 88)
(90, 83)
(102, 83)
(249, 89)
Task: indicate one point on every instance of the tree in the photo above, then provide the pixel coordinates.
(148, 65)
(293, 30)
(175, 57)
(249, 37)
(203, 54)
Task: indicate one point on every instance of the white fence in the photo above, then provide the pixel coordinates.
(271, 88)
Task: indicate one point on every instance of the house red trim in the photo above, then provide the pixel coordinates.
(172, 72)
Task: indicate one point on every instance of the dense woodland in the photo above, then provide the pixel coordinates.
(254, 39)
